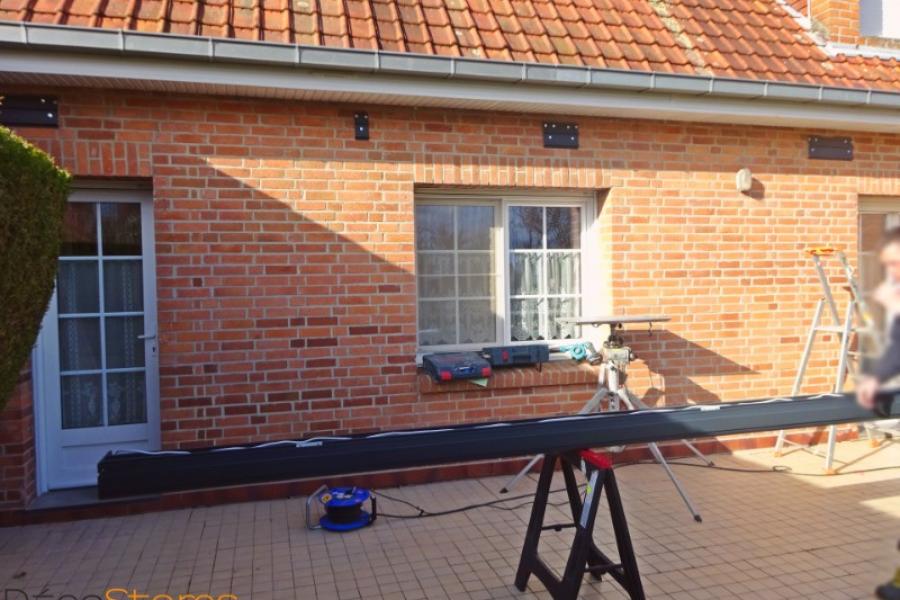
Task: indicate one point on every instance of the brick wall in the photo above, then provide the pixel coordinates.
(839, 18)
(17, 452)
(286, 266)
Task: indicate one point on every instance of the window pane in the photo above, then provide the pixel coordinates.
(434, 227)
(77, 288)
(477, 321)
(475, 286)
(562, 272)
(563, 227)
(123, 286)
(125, 398)
(525, 274)
(474, 225)
(82, 401)
(79, 344)
(123, 348)
(525, 320)
(121, 224)
(437, 322)
(79, 230)
(562, 308)
(480, 263)
(437, 287)
(526, 227)
(434, 263)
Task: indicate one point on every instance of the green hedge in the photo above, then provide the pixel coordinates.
(33, 193)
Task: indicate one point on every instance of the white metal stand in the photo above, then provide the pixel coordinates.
(611, 387)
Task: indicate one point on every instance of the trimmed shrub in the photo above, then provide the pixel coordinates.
(33, 193)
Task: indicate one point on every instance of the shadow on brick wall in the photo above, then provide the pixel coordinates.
(286, 300)
(673, 360)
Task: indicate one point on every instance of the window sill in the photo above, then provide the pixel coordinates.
(552, 373)
(556, 355)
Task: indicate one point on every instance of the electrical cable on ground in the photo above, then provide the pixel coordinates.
(500, 503)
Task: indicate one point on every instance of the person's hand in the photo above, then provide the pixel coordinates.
(865, 392)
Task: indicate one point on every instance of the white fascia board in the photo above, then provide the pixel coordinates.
(803, 106)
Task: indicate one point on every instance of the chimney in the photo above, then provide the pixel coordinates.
(837, 20)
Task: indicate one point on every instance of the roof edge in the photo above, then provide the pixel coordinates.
(22, 35)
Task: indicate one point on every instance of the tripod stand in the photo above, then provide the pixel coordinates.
(616, 357)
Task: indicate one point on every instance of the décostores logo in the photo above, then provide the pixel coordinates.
(112, 594)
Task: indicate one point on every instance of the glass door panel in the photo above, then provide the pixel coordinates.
(101, 320)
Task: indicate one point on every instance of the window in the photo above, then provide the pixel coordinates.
(879, 18)
(544, 269)
(455, 272)
(497, 270)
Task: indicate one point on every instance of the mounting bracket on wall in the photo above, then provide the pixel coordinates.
(830, 148)
(361, 125)
(28, 111)
(560, 135)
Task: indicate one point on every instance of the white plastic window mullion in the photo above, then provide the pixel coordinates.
(102, 299)
(543, 301)
(456, 270)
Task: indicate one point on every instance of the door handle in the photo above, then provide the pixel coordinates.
(147, 336)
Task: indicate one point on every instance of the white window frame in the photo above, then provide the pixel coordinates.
(590, 252)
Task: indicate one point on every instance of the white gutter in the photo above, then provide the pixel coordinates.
(60, 55)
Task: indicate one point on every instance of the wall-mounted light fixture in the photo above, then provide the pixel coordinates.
(361, 125)
(743, 180)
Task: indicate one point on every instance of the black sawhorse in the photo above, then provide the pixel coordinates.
(585, 556)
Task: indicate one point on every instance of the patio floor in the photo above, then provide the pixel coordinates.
(764, 535)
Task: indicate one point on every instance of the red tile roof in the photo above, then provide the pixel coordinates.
(800, 6)
(752, 39)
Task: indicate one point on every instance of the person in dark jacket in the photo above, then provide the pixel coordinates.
(888, 366)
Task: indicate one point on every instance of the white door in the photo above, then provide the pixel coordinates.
(96, 367)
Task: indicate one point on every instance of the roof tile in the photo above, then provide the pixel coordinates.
(752, 39)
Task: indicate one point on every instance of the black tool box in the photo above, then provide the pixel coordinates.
(447, 366)
(507, 356)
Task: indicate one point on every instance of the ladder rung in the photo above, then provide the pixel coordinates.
(832, 329)
(840, 329)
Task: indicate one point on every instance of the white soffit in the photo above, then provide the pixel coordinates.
(33, 54)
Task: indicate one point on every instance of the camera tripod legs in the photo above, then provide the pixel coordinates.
(616, 395)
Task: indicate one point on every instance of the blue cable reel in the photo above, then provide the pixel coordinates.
(343, 508)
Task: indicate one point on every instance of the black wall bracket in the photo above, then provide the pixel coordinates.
(560, 135)
(830, 148)
(361, 125)
(29, 111)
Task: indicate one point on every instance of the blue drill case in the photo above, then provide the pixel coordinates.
(448, 366)
(527, 354)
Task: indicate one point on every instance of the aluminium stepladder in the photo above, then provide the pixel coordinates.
(857, 321)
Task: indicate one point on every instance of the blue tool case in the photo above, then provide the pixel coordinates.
(528, 354)
(447, 366)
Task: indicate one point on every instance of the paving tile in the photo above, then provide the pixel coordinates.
(764, 535)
